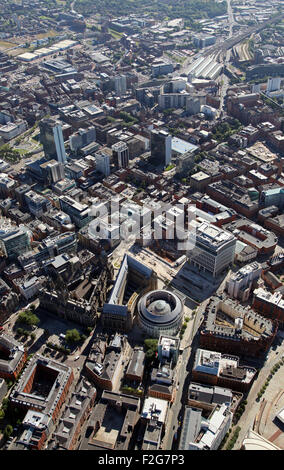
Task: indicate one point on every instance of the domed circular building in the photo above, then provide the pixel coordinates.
(160, 312)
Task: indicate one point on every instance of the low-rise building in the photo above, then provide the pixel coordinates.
(235, 329)
(43, 386)
(222, 370)
(13, 357)
(105, 369)
(112, 422)
(270, 305)
(76, 413)
(135, 369)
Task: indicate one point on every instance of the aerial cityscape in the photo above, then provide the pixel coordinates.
(141, 227)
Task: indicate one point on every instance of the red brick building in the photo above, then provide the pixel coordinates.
(12, 357)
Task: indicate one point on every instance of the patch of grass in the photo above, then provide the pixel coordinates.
(115, 34)
(7, 45)
(50, 33)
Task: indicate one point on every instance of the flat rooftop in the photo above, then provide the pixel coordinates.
(181, 146)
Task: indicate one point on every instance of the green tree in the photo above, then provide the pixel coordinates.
(72, 336)
(151, 348)
(28, 318)
(8, 431)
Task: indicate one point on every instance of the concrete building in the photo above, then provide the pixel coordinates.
(12, 129)
(112, 423)
(50, 246)
(222, 370)
(7, 186)
(120, 153)
(273, 84)
(173, 100)
(37, 204)
(204, 434)
(199, 181)
(214, 248)
(160, 312)
(30, 287)
(154, 415)
(193, 106)
(80, 214)
(53, 171)
(161, 68)
(202, 40)
(82, 138)
(133, 279)
(102, 162)
(120, 84)
(168, 348)
(207, 397)
(183, 152)
(239, 285)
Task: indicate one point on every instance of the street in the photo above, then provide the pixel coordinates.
(247, 419)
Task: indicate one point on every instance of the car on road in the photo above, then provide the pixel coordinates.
(76, 358)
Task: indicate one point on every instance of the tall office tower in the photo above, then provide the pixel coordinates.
(102, 162)
(120, 154)
(258, 56)
(14, 241)
(214, 248)
(273, 84)
(161, 148)
(120, 85)
(193, 106)
(52, 140)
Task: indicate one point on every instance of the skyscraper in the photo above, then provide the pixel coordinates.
(52, 140)
(102, 162)
(161, 148)
(120, 84)
(120, 153)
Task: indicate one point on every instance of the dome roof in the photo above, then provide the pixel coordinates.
(159, 307)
